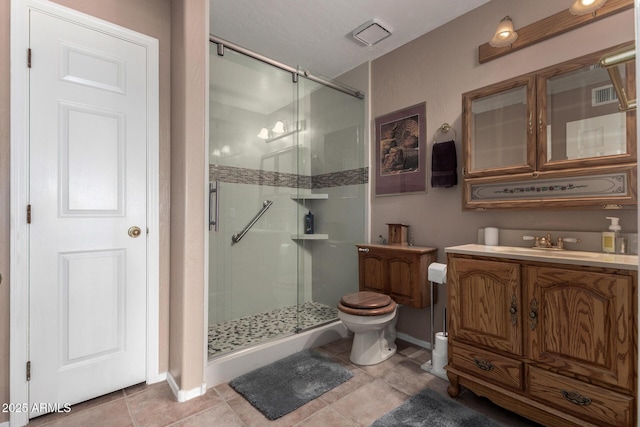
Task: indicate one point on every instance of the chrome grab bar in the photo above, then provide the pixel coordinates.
(213, 222)
(238, 236)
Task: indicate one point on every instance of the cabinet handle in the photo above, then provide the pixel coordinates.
(483, 364)
(514, 311)
(530, 123)
(533, 314)
(365, 250)
(576, 398)
(540, 122)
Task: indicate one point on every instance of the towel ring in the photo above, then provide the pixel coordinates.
(445, 128)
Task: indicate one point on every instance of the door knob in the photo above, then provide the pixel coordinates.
(134, 231)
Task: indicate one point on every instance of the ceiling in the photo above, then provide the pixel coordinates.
(316, 34)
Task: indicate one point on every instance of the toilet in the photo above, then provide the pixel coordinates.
(372, 319)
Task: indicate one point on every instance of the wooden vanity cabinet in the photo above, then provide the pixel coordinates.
(398, 271)
(556, 343)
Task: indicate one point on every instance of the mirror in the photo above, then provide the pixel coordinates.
(617, 64)
(499, 129)
(582, 116)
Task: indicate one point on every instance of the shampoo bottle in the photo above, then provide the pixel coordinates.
(609, 237)
(308, 223)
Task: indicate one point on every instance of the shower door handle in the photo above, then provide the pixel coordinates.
(214, 193)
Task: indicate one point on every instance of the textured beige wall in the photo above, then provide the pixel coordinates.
(438, 68)
(150, 17)
(189, 89)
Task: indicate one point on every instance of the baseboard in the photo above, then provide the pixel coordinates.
(155, 379)
(412, 340)
(184, 395)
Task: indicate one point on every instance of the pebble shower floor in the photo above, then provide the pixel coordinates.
(244, 332)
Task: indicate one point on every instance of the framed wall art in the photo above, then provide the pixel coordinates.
(400, 151)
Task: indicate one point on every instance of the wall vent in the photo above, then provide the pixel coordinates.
(603, 95)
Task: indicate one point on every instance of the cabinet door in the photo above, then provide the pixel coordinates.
(484, 303)
(403, 278)
(499, 135)
(373, 271)
(581, 322)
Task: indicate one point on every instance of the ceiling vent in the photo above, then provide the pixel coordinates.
(371, 33)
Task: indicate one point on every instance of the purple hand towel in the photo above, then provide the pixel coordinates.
(444, 165)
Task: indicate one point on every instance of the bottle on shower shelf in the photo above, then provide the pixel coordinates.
(308, 223)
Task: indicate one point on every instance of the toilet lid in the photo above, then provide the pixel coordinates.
(366, 300)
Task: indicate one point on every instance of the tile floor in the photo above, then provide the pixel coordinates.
(372, 392)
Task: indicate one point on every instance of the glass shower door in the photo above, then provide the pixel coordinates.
(253, 160)
(333, 177)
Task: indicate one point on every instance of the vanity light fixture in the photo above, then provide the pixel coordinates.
(281, 130)
(279, 127)
(224, 151)
(584, 7)
(505, 34)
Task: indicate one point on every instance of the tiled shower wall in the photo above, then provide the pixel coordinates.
(260, 273)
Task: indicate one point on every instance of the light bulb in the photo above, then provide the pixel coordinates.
(584, 7)
(505, 35)
(264, 133)
(279, 127)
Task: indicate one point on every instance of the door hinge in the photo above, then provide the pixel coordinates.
(29, 58)
(28, 214)
(29, 370)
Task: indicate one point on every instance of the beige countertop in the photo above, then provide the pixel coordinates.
(593, 259)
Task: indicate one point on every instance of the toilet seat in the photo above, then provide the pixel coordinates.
(366, 303)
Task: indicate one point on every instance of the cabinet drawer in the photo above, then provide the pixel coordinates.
(584, 400)
(492, 367)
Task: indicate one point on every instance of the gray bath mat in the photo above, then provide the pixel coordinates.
(289, 383)
(429, 408)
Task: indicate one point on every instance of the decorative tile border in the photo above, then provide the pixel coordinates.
(340, 179)
(238, 175)
(614, 184)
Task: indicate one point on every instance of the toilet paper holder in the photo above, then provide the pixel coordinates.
(436, 273)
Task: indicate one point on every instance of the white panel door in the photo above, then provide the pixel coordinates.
(88, 138)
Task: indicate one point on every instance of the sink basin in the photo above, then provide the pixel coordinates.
(558, 253)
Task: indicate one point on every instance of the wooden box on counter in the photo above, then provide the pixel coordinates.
(397, 271)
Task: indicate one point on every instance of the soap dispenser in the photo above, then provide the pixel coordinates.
(609, 237)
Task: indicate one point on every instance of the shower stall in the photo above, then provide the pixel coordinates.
(282, 144)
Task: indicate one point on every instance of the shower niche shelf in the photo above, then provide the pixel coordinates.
(309, 196)
(302, 198)
(315, 236)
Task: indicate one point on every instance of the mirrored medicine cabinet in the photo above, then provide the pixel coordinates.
(557, 137)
